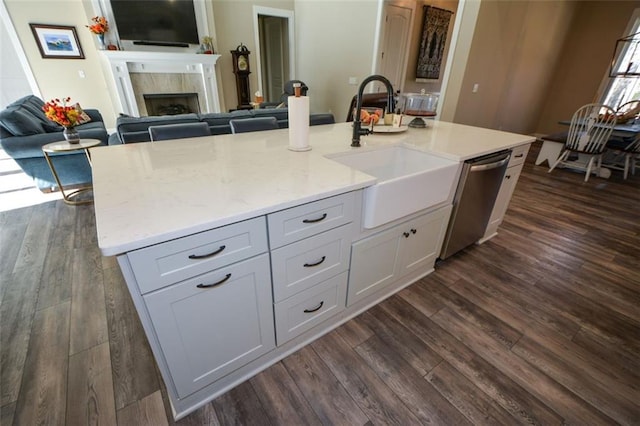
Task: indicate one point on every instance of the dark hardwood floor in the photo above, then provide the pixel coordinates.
(540, 325)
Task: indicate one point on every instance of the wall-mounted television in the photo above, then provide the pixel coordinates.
(158, 22)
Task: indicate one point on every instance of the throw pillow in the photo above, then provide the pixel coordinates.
(83, 117)
(19, 122)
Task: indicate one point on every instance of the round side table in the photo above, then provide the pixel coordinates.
(64, 146)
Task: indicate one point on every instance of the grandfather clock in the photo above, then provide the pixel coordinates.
(241, 70)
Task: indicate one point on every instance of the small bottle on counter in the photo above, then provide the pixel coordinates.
(297, 89)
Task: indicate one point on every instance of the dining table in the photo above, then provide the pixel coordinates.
(551, 149)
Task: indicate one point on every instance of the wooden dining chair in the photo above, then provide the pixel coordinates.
(628, 111)
(589, 131)
(624, 154)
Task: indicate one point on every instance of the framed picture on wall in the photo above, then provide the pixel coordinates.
(57, 41)
(435, 26)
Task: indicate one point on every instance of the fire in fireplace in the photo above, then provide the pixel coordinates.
(171, 103)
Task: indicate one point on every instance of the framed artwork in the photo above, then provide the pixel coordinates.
(57, 41)
(435, 26)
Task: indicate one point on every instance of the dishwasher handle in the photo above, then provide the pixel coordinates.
(494, 165)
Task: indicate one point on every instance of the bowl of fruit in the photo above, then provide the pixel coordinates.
(369, 115)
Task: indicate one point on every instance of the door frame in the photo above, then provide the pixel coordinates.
(279, 13)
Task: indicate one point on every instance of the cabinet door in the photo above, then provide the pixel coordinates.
(374, 264)
(206, 333)
(502, 200)
(422, 240)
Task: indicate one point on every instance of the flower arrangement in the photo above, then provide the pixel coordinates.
(58, 111)
(99, 26)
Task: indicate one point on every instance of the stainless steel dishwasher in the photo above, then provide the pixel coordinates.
(476, 194)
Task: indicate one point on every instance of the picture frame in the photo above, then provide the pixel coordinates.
(57, 41)
(433, 38)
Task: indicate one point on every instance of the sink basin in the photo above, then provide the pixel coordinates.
(408, 181)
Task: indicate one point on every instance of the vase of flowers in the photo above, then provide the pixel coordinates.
(99, 27)
(66, 116)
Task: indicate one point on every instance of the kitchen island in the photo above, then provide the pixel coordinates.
(237, 251)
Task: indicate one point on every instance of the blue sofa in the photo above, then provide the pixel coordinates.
(136, 129)
(24, 130)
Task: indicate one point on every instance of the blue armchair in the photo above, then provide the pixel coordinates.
(24, 130)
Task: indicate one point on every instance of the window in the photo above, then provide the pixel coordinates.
(620, 90)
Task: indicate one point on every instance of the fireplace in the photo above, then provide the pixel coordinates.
(171, 103)
(135, 73)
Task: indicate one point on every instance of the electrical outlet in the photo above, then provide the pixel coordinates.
(81, 73)
(475, 88)
(353, 81)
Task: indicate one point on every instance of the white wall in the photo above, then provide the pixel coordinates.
(335, 42)
(14, 81)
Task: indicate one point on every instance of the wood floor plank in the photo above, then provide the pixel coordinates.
(474, 404)
(281, 399)
(501, 285)
(620, 405)
(355, 332)
(422, 399)
(419, 296)
(134, 373)
(90, 394)
(17, 312)
(35, 244)
(149, 411)
(13, 226)
(370, 392)
(473, 314)
(328, 398)
(6, 413)
(85, 230)
(43, 393)
(88, 313)
(240, 406)
(56, 280)
(408, 346)
(521, 405)
(573, 409)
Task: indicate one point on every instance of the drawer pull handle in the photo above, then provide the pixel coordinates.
(204, 256)
(320, 219)
(413, 230)
(222, 281)
(310, 265)
(308, 311)
(519, 155)
(508, 176)
(406, 234)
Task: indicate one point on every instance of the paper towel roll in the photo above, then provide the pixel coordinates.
(299, 123)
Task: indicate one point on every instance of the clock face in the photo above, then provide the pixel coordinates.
(243, 65)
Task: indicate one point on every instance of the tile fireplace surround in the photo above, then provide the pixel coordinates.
(137, 73)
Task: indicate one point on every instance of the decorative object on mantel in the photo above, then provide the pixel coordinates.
(626, 57)
(57, 41)
(66, 116)
(207, 45)
(242, 71)
(435, 27)
(99, 27)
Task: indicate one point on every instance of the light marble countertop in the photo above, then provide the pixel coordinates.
(147, 193)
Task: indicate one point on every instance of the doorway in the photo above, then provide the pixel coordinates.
(396, 25)
(274, 30)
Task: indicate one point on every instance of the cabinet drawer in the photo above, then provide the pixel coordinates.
(288, 226)
(176, 260)
(305, 310)
(303, 264)
(518, 155)
(206, 333)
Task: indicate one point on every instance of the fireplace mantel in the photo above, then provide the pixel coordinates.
(123, 63)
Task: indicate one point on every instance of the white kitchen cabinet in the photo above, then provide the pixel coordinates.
(383, 258)
(212, 324)
(511, 176)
